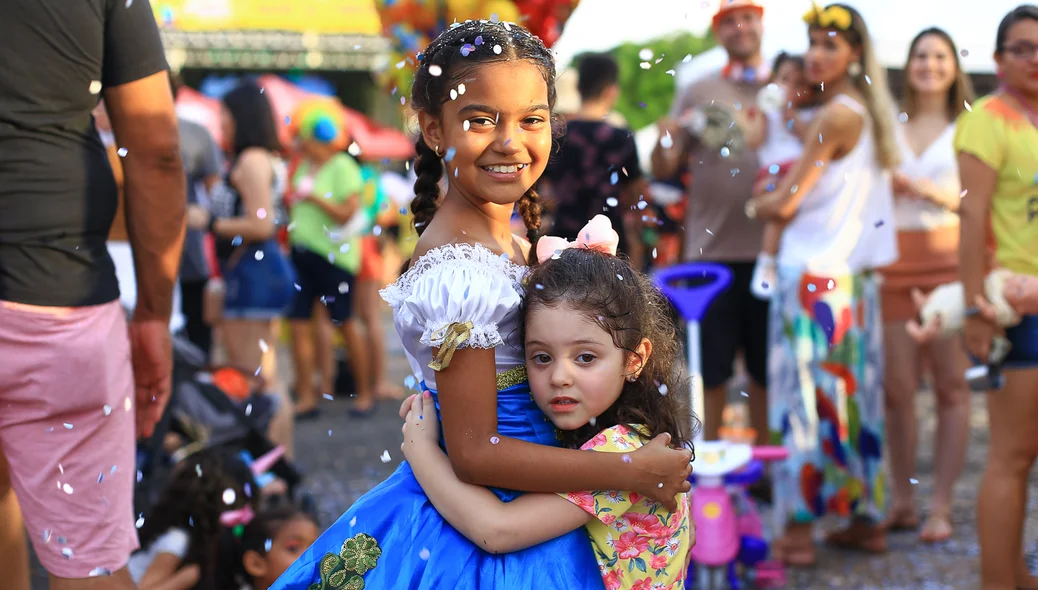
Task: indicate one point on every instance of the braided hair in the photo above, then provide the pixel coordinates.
(442, 66)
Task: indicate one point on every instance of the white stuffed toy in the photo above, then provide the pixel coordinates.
(943, 312)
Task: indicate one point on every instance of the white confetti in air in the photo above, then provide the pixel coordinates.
(267, 545)
(198, 470)
(645, 65)
(259, 254)
(229, 496)
(46, 535)
(67, 426)
(344, 287)
(262, 214)
(67, 489)
(424, 554)
(494, 440)
(913, 481)
(709, 232)
(660, 485)
(465, 125)
(354, 149)
(625, 458)
(497, 49)
(454, 94)
(410, 381)
(129, 3)
(664, 389)
(592, 421)
(967, 105)
(95, 87)
(619, 277)
(666, 142)
(99, 571)
(140, 521)
(328, 396)
(67, 552)
(385, 457)
(612, 202)
(61, 469)
(122, 152)
(461, 89)
(263, 345)
(744, 394)
(353, 521)
(435, 70)
(248, 410)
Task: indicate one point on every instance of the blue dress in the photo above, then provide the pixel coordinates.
(393, 538)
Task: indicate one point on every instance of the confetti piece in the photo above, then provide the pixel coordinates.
(967, 105)
(450, 154)
(140, 520)
(614, 178)
(744, 394)
(385, 457)
(725, 152)
(497, 49)
(465, 125)
(913, 481)
(353, 521)
(424, 554)
(122, 152)
(461, 89)
(67, 426)
(229, 496)
(67, 489)
(248, 410)
(494, 440)
(664, 389)
(67, 552)
(107, 409)
(328, 396)
(198, 470)
(354, 149)
(660, 485)
(344, 288)
(625, 458)
(612, 202)
(95, 87)
(259, 255)
(619, 277)
(666, 142)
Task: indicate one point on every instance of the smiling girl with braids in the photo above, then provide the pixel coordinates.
(484, 93)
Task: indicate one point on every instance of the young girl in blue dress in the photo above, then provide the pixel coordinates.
(602, 358)
(484, 94)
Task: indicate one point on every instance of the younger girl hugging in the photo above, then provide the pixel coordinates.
(601, 358)
(484, 93)
(777, 130)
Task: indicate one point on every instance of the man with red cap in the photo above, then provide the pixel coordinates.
(703, 130)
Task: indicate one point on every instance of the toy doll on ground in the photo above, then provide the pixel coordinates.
(600, 349)
(484, 93)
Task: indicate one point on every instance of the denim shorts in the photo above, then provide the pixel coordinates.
(1024, 338)
(259, 281)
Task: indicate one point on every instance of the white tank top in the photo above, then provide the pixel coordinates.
(846, 222)
(938, 164)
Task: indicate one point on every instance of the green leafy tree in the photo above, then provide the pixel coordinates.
(647, 92)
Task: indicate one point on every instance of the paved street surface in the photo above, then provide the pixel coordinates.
(343, 457)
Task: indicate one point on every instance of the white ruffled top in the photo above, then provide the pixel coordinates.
(457, 283)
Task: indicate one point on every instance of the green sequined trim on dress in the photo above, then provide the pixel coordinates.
(345, 571)
(513, 376)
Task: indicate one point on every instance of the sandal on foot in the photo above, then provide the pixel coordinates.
(901, 520)
(936, 529)
(858, 537)
(794, 554)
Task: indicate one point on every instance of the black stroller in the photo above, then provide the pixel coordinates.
(201, 415)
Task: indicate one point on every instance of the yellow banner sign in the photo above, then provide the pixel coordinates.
(331, 17)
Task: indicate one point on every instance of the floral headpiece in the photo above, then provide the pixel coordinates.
(836, 17)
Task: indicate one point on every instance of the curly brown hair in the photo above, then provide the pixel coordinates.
(627, 305)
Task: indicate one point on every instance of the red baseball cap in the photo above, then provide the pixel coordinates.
(733, 5)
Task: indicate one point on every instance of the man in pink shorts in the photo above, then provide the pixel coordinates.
(78, 383)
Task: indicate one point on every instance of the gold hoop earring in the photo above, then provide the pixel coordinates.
(437, 150)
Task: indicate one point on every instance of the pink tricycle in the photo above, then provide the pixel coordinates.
(729, 532)
(730, 548)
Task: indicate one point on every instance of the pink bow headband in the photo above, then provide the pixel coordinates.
(241, 517)
(598, 235)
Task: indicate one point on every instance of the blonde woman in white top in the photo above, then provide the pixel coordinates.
(825, 361)
(926, 191)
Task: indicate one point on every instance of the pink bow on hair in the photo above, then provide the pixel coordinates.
(598, 235)
(242, 516)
